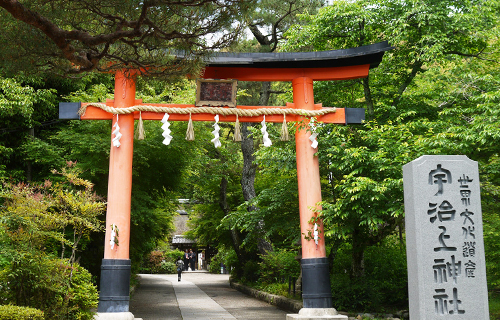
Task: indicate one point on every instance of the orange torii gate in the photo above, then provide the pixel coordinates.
(299, 68)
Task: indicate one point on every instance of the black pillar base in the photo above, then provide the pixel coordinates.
(115, 285)
(316, 292)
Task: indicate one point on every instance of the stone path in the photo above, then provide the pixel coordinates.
(200, 295)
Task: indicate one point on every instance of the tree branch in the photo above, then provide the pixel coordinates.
(416, 68)
(138, 35)
(478, 55)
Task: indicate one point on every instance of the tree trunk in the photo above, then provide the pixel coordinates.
(247, 185)
(368, 97)
(265, 93)
(249, 167)
(358, 254)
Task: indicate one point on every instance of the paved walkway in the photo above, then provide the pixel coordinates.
(199, 296)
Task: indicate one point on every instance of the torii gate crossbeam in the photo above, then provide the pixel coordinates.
(301, 69)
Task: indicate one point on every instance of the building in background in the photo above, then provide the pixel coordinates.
(181, 242)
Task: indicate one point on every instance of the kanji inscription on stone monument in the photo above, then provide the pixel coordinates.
(444, 239)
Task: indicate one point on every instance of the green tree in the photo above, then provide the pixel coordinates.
(81, 209)
(423, 33)
(33, 221)
(22, 109)
(85, 35)
(414, 99)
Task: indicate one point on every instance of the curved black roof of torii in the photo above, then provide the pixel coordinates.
(370, 54)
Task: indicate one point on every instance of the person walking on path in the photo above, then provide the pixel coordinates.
(192, 259)
(180, 267)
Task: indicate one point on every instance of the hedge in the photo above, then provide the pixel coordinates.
(11, 312)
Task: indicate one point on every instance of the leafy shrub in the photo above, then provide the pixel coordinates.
(225, 256)
(51, 285)
(251, 272)
(172, 255)
(387, 272)
(153, 262)
(352, 294)
(160, 262)
(280, 289)
(5, 292)
(214, 267)
(82, 295)
(384, 284)
(231, 259)
(278, 266)
(167, 267)
(10, 312)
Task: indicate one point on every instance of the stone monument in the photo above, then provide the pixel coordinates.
(444, 239)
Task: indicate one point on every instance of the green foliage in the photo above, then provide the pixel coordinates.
(214, 266)
(203, 181)
(280, 289)
(278, 266)
(36, 216)
(491, 220)
(423, 32)
(494, 304)
(492, 248)
(21, 107)
(83, 296)
(172, 255)
(152, 221)
(161, 262)
(31, 102)
(167, 267)
(153, 262)
(428, 96)
(11, 312)
(33, 221)
(251, 271)
(384, 284)
(225, 256)
(276, 199)
(87, 143)
(88, 39)
(51, 285)
(19, 102)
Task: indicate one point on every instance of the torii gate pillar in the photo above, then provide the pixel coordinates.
(115, 268)
(316, 280)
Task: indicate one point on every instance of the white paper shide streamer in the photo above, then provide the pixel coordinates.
(216, 140)
(265, 135)
(114, 236)
(117, 133)
(314, 135)
(316, 233)
(166, 130)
